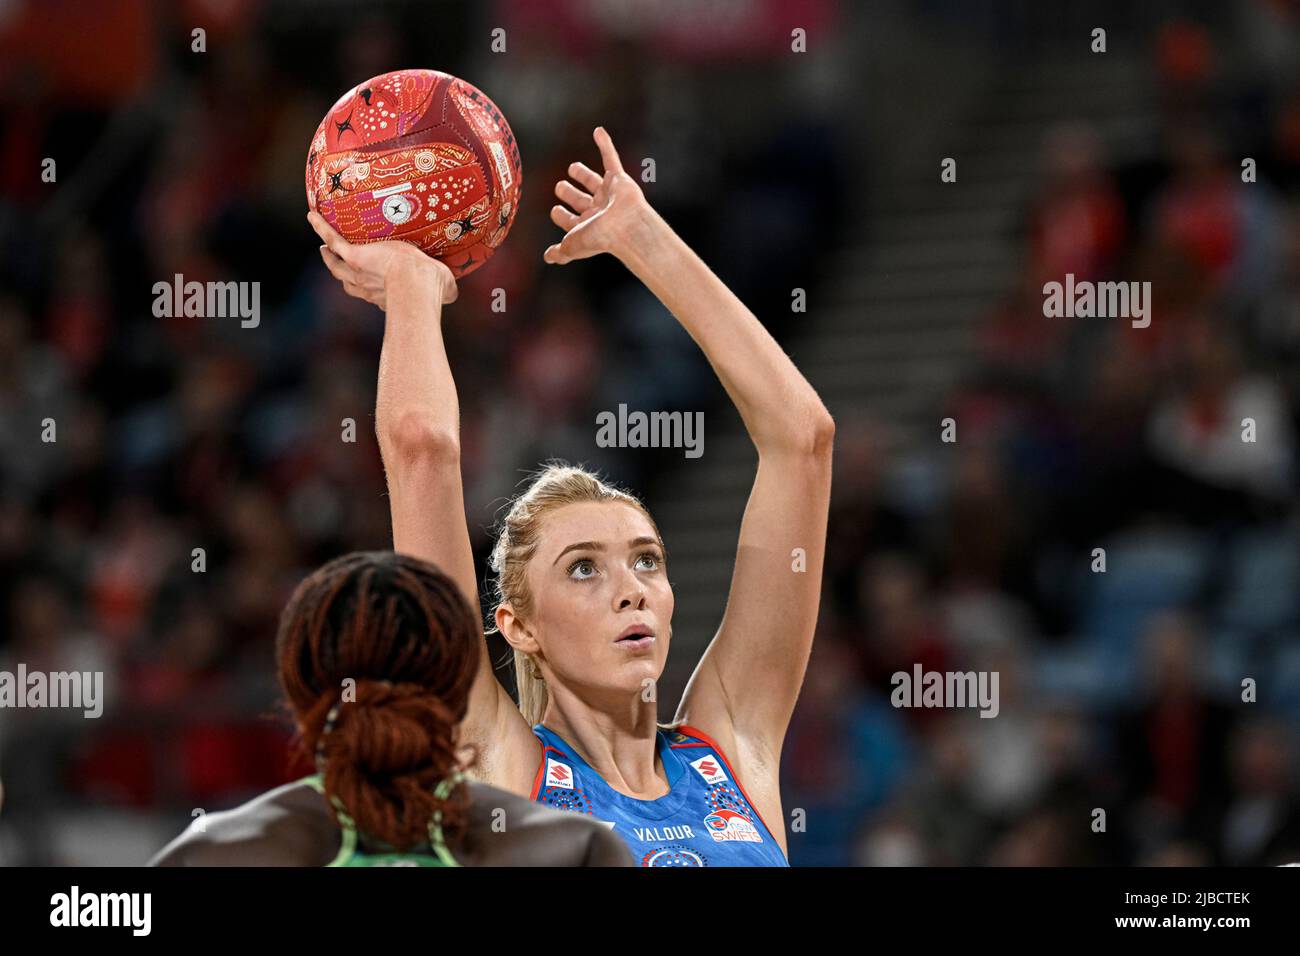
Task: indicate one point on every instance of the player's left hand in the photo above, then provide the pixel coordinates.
(601, 210)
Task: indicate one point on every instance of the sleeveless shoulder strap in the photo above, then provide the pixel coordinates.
(349, 827)
(694, 733)
(435, 825)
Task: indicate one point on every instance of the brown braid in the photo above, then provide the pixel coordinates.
(402, 631)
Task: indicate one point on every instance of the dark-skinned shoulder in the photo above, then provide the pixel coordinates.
(293, 826)
(506, 829)
(288, 826)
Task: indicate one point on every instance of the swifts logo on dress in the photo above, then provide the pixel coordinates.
(705, 819)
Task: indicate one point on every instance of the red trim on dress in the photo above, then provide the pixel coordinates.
(541, 770)
(696, 732)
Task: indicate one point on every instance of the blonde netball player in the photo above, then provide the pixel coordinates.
(582, 582)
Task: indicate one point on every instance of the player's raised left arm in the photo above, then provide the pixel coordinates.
(748, 680)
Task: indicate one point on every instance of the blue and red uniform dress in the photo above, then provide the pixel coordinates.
(705, 819)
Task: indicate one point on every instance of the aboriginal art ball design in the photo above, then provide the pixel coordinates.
(420, 156)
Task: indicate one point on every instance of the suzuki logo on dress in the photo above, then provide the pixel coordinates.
(708, 769)
(558, 774)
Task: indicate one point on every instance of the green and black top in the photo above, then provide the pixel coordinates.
(350, 855)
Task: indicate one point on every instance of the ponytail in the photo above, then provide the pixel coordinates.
(400, 629)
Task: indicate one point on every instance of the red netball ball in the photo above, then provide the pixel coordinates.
(420, 156)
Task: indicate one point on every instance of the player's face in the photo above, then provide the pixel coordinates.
(602, 604)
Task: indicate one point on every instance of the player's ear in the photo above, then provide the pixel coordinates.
(515, 631)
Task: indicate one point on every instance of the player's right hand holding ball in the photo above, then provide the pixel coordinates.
(371, 270)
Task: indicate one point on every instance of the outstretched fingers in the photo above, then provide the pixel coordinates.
(563, 217)
(608, 154)
(585, 176)
(566, 192)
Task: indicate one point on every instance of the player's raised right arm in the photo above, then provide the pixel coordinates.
(417, 421)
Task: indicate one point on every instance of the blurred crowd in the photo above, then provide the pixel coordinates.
(200, 468)
(1107, 535)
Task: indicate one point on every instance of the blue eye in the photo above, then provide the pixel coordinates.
(584, 562)
(652, 558)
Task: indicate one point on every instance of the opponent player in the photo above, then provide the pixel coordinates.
(377, 653)
(584, 595)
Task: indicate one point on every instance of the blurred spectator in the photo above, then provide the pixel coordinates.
(1261, 826)
(1173, 745)
(1076, 223)
(1222, 427)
